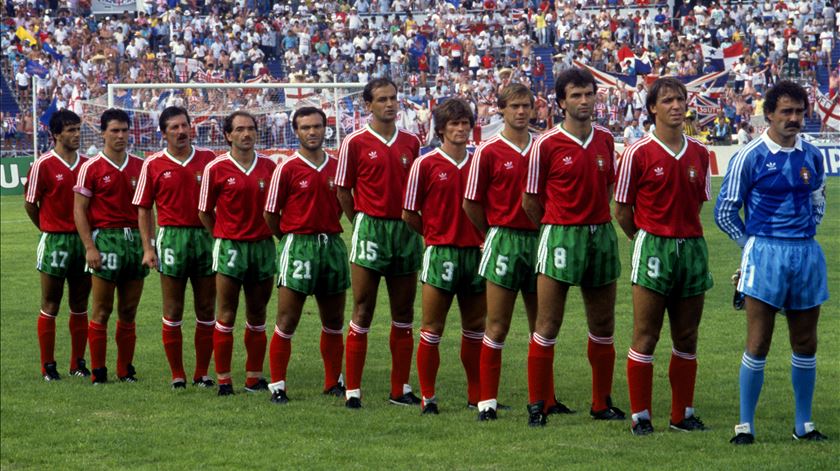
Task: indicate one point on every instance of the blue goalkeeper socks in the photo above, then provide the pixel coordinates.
(751, 379)
(803, 375)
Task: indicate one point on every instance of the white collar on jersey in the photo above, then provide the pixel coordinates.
(776, 148)
(246, 171)
(668, 149)
(515, 147)
(317, 168)
(53, 153)
(451, 160)
(185, 162)
(574, 138)
(382, 138)
(114, 164)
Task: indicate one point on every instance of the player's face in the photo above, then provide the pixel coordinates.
(243, 136)
(669, 108)
(786, 120)
(578, 102)
(517, 113)
(457, 131)
(384, 105)
(115, 136)
(310, 131)
(70, 137)
(178, 133)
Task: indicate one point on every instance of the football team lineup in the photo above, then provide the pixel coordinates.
(522, 216)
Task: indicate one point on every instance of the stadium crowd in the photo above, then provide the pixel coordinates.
(432, 49)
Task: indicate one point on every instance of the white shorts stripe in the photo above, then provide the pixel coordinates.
(427, 256)
(216, 247)
(637, 254)
(488, 244)
(42, 246)
(354, 240)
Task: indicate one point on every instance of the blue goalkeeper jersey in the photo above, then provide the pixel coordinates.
(782, 191)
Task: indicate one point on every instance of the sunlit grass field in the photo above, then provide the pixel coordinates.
(70, 424)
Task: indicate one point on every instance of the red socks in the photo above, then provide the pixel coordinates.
(682, 372)
(471, 359)
(46, 338)
(223, 350)
(402, 347)
(255, 346)
(356, 350)
(490, 368)
(278, 356)
(78, 324)
(428, 362)
(126, 339)
(640, 381)
(203, 346)
(541, 370)
(98, 341)
(172, 346)
(601, 353)
(332, 349)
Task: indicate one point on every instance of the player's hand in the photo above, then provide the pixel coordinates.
(93, 259)
(150, 259)
(735, 277)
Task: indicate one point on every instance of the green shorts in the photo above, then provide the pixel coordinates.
(61, 254)
(508, 259)
(122, 255)
(248, 262)
(579, 255)
(387, 246)
(452, 269)
(313, 263)
(184, 251)
(671, 266)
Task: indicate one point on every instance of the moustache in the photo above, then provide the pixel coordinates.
(792, 126)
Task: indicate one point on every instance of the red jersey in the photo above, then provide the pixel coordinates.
(49, 184)
(110, 189)
(573, 178)
(497, 180)
(173, 186)
(665, 188)
(436, 189)
(238, 196)
(377, 170)
(304, 195)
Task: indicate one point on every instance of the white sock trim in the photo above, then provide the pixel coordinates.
(638, 357)
(488, 342)
(169, 323)
(601, 340)
(255, 328)
(488, 404)
(357, 393)
(401, 325)
(282, 334)
(683, 355)
(278, 386)
(542, 341)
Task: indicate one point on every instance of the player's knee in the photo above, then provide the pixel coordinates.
(804, 344)
(404, 314)
(51, 307)
(602, 326)
(174, 311)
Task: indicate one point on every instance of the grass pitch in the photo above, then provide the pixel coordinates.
(70, 424)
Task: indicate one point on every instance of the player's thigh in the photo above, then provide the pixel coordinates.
(78, 291)
(500, 304)
(331, 309)
(551, 304)
(52, 290)
(802, 326)
(204, 296)
(227, 298)
(257, 295)
(289, 308)
(648, 315)
(402, 290)
(436, 303)
(473, 307)
(365, 284)
(599, 304)
(128, 298)
(761, 319)
(172, 290)
(684, 315)
(102, 299)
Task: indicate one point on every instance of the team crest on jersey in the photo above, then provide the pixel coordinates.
(134, 183)
(601, 162)
(692, 173)
(198, 177)
(167, 174)
(59, 177)
(372, 154)
(331, 183)
(231, 181)
(567, 160)
(806, 176)
(404, 160)
(443, 176)
(659, 171)
(261, 184)
(509, 165)
(304, 184)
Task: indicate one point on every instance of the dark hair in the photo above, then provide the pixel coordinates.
(792, 90)
(451, 110)
(170, 112)
(660, 84)
(307, 111)
(113, 114)
(61, 118)
(512, 91)
(227, 124)
(574, 76)
(367, 93)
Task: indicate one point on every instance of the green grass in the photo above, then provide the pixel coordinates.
(146, 425)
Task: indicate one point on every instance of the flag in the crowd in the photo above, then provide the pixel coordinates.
(608, 80)
(705, 107)
(640, 63)
(712, 83)
(35, 68)
(295, 97)
(482, 133)
(10, 122)
(52, 52)
(723, 58)
(829, 110)
(45, 118)
(25, 35)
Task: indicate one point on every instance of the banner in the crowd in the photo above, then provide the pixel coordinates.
(109, 7)
(13, 172)
(831, 158)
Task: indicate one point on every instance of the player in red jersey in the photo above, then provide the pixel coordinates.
(107, 224)
(303, 213)
(230, 205)
(171, 180)
(450, 263)
(663, 181)
(373, 166)
(493, 202)
(578, 244)
(61, 256)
